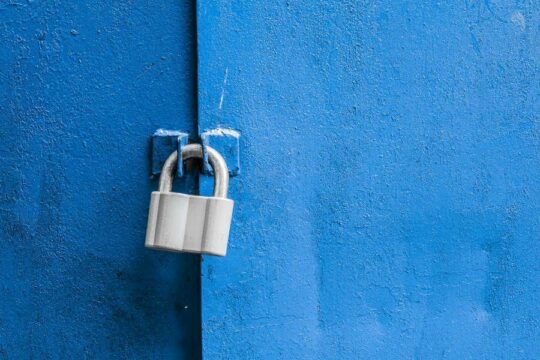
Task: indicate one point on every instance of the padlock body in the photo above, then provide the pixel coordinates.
(188, 223)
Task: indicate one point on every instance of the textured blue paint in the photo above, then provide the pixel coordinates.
(83, 86)
(388, 206)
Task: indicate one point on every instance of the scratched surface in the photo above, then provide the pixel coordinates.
(83, 87)
(388, 206)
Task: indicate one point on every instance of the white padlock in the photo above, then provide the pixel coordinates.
(190, 223)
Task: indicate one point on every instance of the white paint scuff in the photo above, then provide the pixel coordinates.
(222, 97)
(519, 20)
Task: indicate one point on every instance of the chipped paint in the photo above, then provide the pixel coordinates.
(223, 132)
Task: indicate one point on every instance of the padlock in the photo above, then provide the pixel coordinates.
(190, 223)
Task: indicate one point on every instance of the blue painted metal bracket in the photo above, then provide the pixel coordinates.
(164, 142)
(227, 142)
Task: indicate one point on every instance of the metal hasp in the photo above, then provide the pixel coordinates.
(225, 141)
(164, 142)
(190, 223)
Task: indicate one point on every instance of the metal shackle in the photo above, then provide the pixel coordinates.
(221, 172)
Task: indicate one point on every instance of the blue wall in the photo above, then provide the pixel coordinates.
(83, 86)
(388, 206)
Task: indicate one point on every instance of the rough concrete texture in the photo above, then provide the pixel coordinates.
(388, 206)
(84, 84)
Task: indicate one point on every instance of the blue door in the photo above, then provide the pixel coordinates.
(83, 86)
(386, 208)
(388, 202)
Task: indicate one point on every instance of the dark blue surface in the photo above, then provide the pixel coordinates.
(388, 206)
(83, 87)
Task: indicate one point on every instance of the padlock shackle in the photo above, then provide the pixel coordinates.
(221, 172)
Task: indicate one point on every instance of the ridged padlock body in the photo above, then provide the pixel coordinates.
(189, 223)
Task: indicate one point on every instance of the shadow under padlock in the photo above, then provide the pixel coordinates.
(191, 223)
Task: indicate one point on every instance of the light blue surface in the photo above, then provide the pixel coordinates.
(83, 86)
(388, 206)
